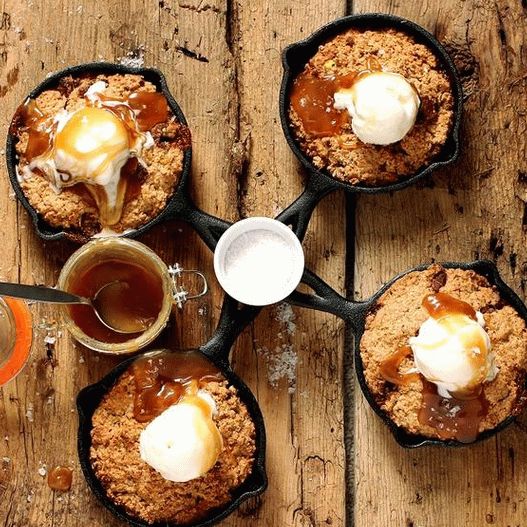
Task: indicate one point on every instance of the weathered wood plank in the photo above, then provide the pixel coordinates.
(37, 411)
(305, 457)
(472, 210)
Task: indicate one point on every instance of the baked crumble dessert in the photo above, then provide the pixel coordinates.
(371, 106)
(99, 153)
(444, 355)
(172, 440)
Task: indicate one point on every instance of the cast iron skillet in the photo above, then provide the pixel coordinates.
(180, 205)
(232, 322)
(326, 299)
(320, 182)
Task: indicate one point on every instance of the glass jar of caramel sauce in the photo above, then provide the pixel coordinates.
(149, 293)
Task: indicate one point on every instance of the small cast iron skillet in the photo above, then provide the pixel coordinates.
(179, 205)
(326, 299)
(321, 182)
(216, 350)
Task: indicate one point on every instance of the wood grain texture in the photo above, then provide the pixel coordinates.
(471, 210)
(222, 63)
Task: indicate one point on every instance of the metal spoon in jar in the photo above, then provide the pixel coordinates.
(102, 301)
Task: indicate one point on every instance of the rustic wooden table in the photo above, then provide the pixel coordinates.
(222, 62)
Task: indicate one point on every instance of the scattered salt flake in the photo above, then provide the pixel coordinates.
(49, 339)
(29, 413)
(29, 498)
(134, 58)
(80, 9)
(42, 470)
(6, 459)
(6, 438)
(281, 365)
(81, 360)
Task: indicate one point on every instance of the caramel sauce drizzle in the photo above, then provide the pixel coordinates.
(60, 478)
(390, 367)
(459, 416)
(145, 108)
(312, 100)
(452, 418)
(440, 305)
(164, 378)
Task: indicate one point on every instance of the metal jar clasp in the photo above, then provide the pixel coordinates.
(179, 293)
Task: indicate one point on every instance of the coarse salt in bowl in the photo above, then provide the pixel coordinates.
(259, 261)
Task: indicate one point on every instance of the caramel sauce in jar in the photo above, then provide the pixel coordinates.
(140, 301)
(163, 378)
(389, 367)
(60, 478)
(312, 100)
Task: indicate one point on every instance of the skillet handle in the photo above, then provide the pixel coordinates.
(327, 299)
(208, 227)
(299, 212)
(233, 320)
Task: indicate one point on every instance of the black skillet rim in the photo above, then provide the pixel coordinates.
(450, 150)
(179, 198)
(485, 268)
(89, 399)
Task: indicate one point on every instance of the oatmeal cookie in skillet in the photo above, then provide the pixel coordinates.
(371, 107)
(422, 374)
(127, 444)
(99, 153)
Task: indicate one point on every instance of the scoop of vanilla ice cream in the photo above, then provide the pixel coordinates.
(454, 352)
(383, 107)
(183, 442)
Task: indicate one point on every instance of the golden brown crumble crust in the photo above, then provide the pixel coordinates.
(352, 161)
(143, 492)
(398, 315)
(73, 209)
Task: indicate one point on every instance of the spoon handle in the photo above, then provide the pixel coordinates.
(40, 294)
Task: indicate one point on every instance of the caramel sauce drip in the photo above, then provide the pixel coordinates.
(452, 418)
(439, 305)
(312, 100)
(164, 378)
(142, 300)
(449, 312)
(60, 478)
(39, 127)
(389, 367)
(151, 108)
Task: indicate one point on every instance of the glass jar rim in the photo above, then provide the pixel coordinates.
(145, 338)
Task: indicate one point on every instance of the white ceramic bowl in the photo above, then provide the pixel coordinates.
(259, 261)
